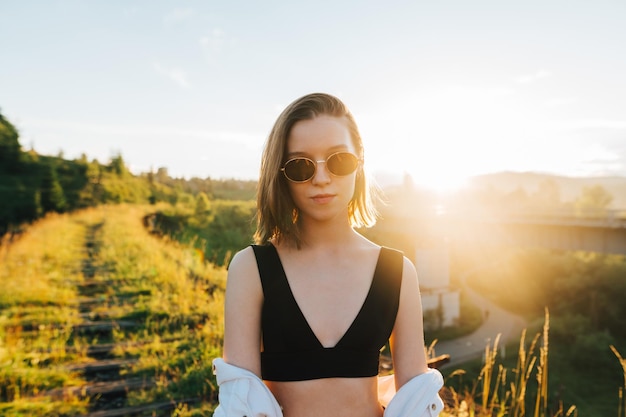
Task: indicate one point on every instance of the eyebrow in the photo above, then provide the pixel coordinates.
(330, 150)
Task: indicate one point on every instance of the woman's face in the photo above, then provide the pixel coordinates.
(325, 196)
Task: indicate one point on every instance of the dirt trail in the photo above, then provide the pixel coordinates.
(107, 385)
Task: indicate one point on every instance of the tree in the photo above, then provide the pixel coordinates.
(52, 195)
(593, 201)
(10, 148)
(202, 204)
(516, 201)
(162, 175)
(118, 166)
(548, 195)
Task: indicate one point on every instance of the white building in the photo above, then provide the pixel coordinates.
(439, 299)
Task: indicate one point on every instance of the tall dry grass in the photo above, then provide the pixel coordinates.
(622, 390)
(520, 392)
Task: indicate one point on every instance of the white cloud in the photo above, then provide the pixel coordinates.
(178, 15)
(559, 101)
(501, 91)
(130, 11)
(592, 124)
(214, 42)
(177, 75)
(140, 130)
(531, 78)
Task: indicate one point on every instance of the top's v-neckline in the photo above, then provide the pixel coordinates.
(303, 318)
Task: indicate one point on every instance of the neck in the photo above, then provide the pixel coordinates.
(328, 234)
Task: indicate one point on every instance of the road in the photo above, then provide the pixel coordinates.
(497, 322)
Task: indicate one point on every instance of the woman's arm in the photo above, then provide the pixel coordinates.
(407, 338)
(242, 313)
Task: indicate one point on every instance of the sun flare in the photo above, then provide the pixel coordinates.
(442, 138)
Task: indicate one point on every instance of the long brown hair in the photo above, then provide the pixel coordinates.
(276, 212)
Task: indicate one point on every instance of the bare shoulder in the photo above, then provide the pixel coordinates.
(243, 271)
(409, 275)
(408, 267)
(243, 259)
(242, 312)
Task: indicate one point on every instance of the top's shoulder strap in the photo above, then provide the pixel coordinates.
(392, 261)
(270, 267)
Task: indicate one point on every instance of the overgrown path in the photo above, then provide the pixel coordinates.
(133, 335)
(107, 387)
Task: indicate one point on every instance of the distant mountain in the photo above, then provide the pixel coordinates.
(570, 187)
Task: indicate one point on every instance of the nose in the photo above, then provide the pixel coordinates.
(322, 175)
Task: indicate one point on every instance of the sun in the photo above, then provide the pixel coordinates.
(444, 135)
(440, 181)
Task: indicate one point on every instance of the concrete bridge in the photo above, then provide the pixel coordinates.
(569, 233)
(551, 230)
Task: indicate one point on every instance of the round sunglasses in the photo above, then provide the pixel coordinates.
(302, 169)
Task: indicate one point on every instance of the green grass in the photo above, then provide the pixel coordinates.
(174, 298)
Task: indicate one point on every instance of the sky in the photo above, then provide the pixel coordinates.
(441, 90)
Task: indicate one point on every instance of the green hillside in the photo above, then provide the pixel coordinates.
(32, 185)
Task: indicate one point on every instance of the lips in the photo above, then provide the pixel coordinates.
(323, 198)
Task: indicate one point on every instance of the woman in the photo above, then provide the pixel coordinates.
(310, 306)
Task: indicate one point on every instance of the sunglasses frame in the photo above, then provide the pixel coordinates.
(315, 163)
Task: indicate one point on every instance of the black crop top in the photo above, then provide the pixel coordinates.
(292, 352)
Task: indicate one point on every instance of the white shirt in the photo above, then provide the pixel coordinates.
(243, 394)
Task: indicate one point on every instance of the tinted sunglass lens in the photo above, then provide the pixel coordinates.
(303, 169)
(300, 169)
(342, 163)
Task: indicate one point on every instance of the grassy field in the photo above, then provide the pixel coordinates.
(97, 314)
(73, 283)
